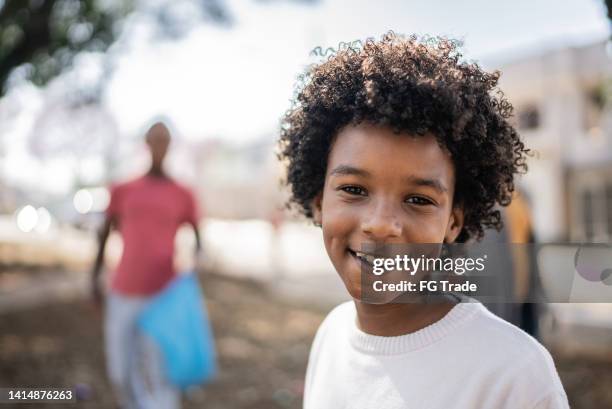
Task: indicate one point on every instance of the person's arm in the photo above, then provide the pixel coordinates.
(103, 234)
(198, 241)
(192, 216)
(199, 252)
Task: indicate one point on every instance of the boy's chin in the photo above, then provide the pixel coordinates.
(355, 291)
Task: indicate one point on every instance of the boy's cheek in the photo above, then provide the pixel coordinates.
(338, 221)
(333, 240)
(427, 231)
(337, 228)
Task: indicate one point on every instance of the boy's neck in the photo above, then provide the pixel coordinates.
(390, 320)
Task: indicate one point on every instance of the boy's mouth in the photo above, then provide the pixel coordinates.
(363, 257)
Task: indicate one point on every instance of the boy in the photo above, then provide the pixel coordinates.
(398, 141)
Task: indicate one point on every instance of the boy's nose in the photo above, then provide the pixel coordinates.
(381, 223)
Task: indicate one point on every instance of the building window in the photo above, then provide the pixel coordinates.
(609, 209)
(597, 213)
(528, 118)
(594, 102)
(587, 215)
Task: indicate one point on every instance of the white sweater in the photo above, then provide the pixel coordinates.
(468, 359)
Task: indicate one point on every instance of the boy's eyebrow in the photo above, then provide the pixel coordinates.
(433, 183)
(349, 170)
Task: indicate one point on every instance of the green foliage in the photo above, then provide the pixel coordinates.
(47, 34)
(43, 36)
(601, 95)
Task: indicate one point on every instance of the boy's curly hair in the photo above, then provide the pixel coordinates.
(413, 85)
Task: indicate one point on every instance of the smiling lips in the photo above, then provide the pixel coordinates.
(363, 257)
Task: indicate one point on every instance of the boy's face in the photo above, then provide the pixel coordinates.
(384, 188)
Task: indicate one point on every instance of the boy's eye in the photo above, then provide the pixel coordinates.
(419, 201)
(354, 190)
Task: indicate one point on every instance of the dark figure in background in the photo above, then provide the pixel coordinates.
(517, 270)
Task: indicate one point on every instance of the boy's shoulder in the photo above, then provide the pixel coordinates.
(502, 335)
(341, 315)
(511, 352)
(342, 311)
(336, 323)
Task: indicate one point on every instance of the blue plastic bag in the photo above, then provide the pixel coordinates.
(177, 321)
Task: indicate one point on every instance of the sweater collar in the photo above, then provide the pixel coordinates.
(379, 345)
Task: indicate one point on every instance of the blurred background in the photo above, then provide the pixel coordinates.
(81, 80)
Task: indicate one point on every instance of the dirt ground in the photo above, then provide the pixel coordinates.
(262, 341)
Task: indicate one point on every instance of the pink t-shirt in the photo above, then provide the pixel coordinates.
(148, 212)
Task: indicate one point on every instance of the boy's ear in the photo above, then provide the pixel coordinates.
(455, 224)
(317, 215)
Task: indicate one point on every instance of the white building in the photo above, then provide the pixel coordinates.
(561, 112)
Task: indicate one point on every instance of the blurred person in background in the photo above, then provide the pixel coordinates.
(147, 212)
(517, 271)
